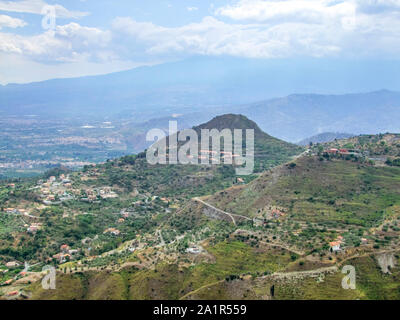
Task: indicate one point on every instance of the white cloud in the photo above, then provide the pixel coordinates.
(68, 43)
(255, 40)
(291, 28)
(308, 11)
(192, 8)
(9, 22)
(25, 70)
(36, 6)
(299, 31)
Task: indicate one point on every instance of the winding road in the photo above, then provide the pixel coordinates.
(230, 215)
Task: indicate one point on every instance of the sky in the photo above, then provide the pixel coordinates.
(45, 39)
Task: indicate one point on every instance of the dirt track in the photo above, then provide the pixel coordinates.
(230, 215)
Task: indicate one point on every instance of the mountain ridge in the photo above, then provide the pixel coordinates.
(325, 137)
(189, 84)
(269, 151)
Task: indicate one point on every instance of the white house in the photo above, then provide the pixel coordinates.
(335, 246)
(193, 250)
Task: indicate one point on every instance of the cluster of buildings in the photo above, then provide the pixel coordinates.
(55, 190)
(343, 152)
(12, 265)
(93, 195)
(217, 156)
(42, 164)
(107, 193)
(213, 156)
(84, 141)
(66, 254)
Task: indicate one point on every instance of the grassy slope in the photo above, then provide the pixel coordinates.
(170, 282)
(166, 281)
(319, 191)
(361, 194)
(371, 283)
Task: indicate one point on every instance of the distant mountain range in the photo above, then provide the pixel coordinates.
(298, 116)
(197, 89)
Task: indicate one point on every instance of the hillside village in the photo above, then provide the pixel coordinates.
(98, 227)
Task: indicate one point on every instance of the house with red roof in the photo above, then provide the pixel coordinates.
(335, 246)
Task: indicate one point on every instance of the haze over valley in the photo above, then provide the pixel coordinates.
(108, 116)
(228, 150)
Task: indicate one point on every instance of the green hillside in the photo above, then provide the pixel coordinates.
(269, 151)
(193, 180)
(197, 232)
